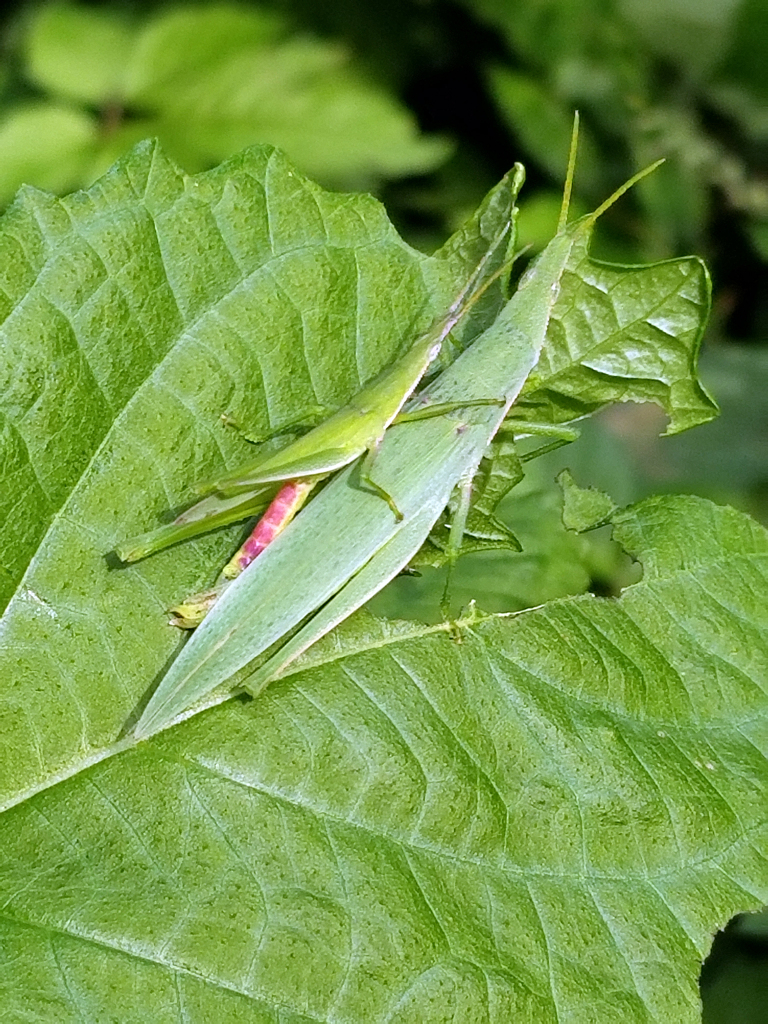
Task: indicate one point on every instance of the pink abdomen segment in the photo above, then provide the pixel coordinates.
(284, 506)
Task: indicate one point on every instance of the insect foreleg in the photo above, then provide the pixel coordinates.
(365, 478)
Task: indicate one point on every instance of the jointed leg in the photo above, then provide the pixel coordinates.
(439, 408)
(455, 537)
(306, 421)
(563, 435)
(365, 476)
(428, 412)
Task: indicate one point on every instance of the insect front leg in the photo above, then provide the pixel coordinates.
(512, 429)
(309, 419)
(365, 477)
(427, 411)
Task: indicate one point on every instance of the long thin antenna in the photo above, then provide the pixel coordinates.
(569, 174)
(623, 188)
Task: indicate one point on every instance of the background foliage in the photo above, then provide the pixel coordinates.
(427, 105)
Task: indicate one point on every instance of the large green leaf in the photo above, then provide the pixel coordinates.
(545, 821)
(633, 337)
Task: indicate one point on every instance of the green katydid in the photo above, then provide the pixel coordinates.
(420, 463)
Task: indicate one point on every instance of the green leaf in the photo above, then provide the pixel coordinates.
(543, 124)
(516, 827)
(406, 826)
(582, 56)
(621, 334)
(693, 36)
(498, 473)
(583, 507)
(302, 94)
(209, 79)
(78, 52)
(49, 144)
(745, 59)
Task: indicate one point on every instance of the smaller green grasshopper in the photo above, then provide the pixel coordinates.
(359, 427)
(356, 429)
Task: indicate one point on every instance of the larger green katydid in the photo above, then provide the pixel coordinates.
(419, 465)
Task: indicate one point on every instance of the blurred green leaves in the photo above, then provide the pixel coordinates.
(329, 849)
(49, 144)
(681, 80)
(660, 78)
(208, 80)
